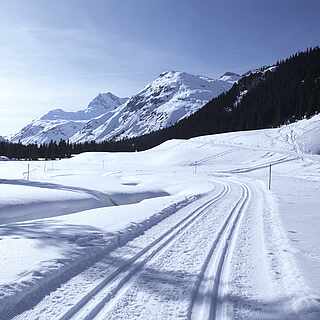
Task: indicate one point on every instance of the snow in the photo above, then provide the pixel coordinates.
(169, 98)
(185, 230)
(262, 71)
(59, 124)
(166, 100)
(29, 255)
(230, 76)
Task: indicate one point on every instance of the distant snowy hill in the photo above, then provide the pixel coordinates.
(299, 138)
(168, 99)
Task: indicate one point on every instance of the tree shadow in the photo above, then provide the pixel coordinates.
(180, 286)
(168, 284)
(49, 233)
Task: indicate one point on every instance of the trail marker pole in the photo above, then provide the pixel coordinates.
(28, 174)
(269, 184)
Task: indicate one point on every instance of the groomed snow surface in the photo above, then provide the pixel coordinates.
(187, 230)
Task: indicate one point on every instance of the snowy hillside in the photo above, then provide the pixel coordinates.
(301, 137)
(185, 230)
(59, 124)
(168, 99)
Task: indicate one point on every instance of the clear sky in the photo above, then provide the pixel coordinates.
(62, 53)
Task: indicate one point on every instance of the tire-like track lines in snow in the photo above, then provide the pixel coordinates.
(207, 302)
(90, 304)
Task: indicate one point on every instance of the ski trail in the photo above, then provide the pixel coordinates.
(207, 302)
(213, 157)
(94, 301)
(90, 302)
(172, 276)
(29, 299)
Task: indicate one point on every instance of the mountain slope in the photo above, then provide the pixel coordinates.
(59, 124)
(168, 99)
(102, 103)
(263, 98)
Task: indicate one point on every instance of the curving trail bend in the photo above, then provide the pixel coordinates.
(208, 260)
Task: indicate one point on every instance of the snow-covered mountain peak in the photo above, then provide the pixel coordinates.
(230, 77)
(104, 102)
(54, 114)
(59, 124)
(187, 80)
(168, 73)
(172, 96)
(176, 85)
(179, 76)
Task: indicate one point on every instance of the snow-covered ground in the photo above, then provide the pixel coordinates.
(186, 230)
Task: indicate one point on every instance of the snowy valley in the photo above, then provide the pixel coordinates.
(185, 230)
(159, 160)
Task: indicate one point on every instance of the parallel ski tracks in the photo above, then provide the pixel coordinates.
(90, 305)
(208, 299)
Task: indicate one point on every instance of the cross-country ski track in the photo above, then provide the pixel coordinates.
(187, 230)
(202, 239)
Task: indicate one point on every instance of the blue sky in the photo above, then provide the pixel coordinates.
(63, 53)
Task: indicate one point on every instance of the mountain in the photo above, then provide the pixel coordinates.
(264, 98)
(269, 97)
(168, 99)
(59, 124)
(102, 103)
(230, 77)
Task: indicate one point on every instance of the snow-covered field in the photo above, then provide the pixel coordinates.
(186, 230)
